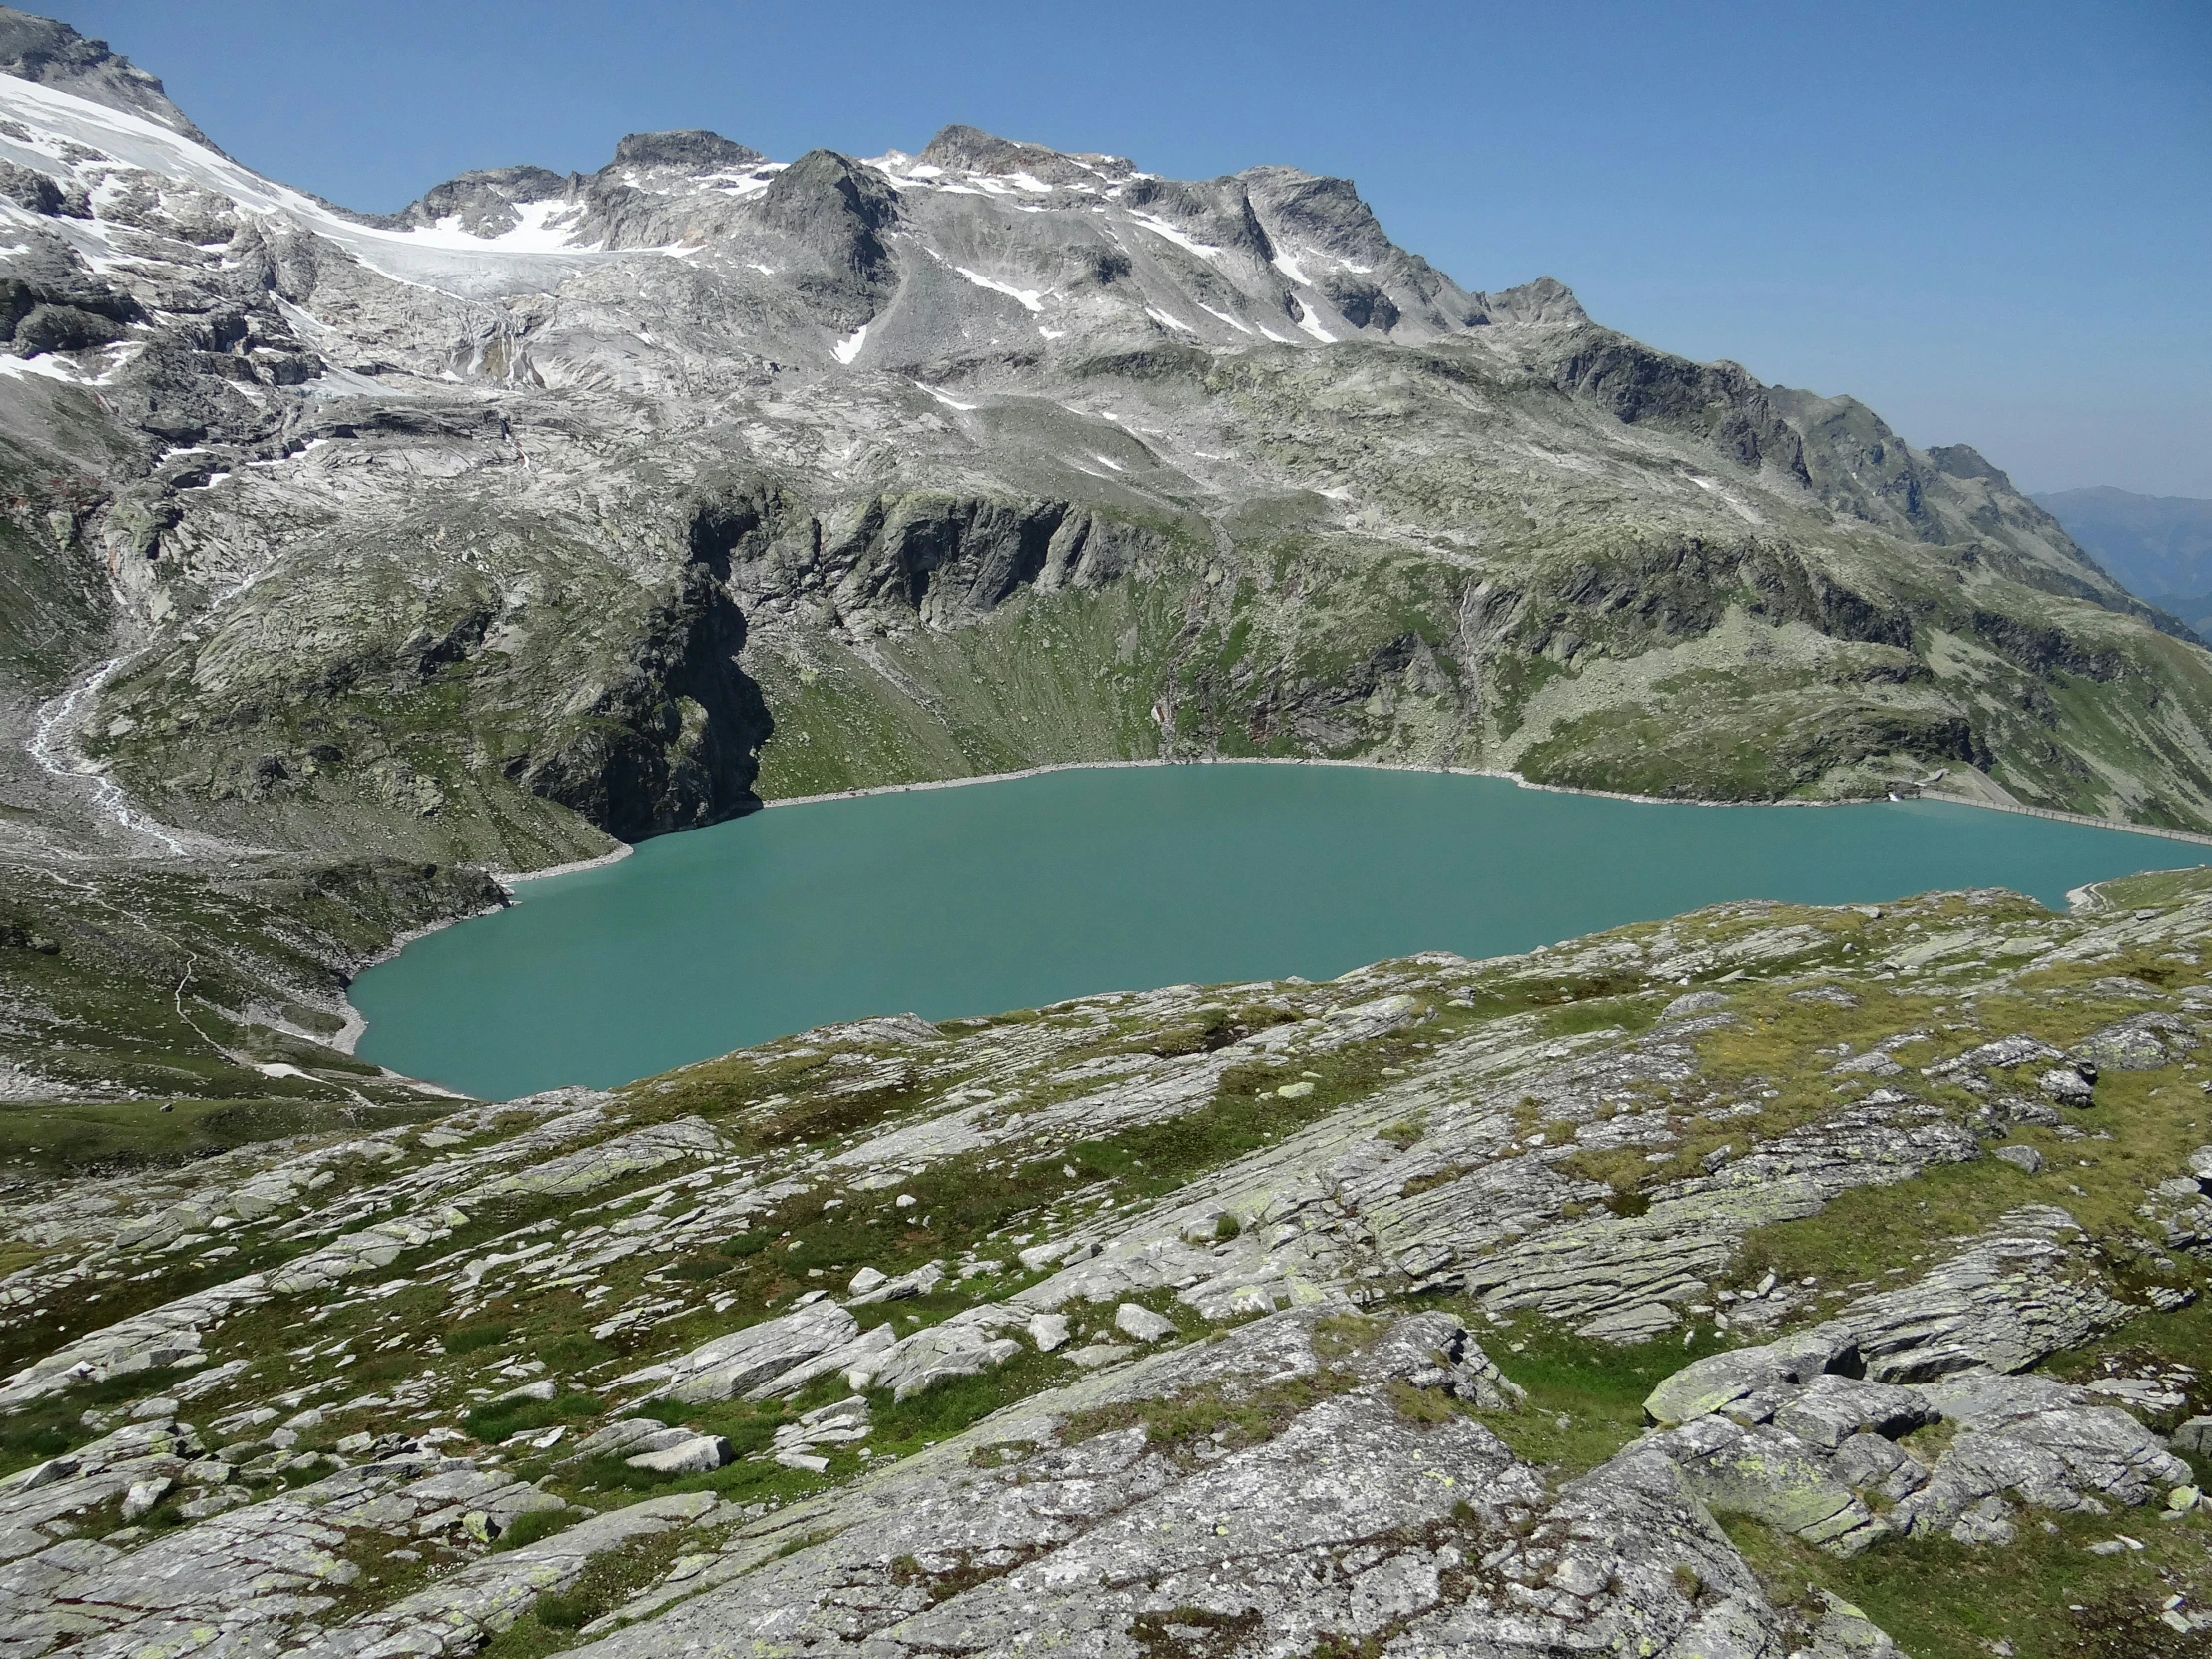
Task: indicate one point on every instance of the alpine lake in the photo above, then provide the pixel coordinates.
(1018, 892)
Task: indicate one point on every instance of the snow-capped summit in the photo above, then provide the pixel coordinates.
(55, 54)
(496, 490)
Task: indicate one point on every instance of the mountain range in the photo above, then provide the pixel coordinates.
(562, 506)
(2160, 546)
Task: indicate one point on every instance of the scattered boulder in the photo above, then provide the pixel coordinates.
(2194, 1435)
(143, 1495)
(2070, 1086)
(1696, 1002)
(921, 1282)
(689, 1454)
(1722, 1380)
(1134, 1320)
(730, 1365)
(627, 1434)
(957, 1347)
(2018, 1049)
(2141, 1043)
(1093, 1355)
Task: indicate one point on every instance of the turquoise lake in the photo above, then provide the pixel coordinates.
(1025, 892)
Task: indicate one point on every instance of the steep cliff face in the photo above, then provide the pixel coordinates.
(565, 505)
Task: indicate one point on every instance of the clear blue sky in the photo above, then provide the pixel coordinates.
(1993, 221)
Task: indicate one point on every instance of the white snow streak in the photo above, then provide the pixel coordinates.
(948, 401)
(1161, 228)
(849, 347)
(1032, 298)
(537, 257)
(1166, 321)
(538, 232)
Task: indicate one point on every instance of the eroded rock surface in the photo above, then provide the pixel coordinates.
(1200, 1316)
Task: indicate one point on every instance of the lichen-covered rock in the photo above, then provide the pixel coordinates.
(1829, 1410)
(732, 1366)
(1764, 1472)
(1720, 1380)
(955, 1349)
(2141, 1043)
(2035, 1443)
(466, 1610)
(2002, 1304)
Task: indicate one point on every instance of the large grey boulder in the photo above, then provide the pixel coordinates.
(624, 1435)
(2141, 1043)
(1761, 1470)
(1830, 1410)
(689, 1454)
(2194, 1435)
(2050, 1446)
(959, 1348)
(1721, 1381)
(730, 1365)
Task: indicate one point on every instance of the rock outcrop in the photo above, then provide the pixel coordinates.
(1046, 1338)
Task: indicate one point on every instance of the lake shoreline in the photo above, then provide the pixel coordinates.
(357, 1025)
(1514, 777)
(511, 880)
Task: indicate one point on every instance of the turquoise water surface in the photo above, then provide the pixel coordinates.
(1023, 891)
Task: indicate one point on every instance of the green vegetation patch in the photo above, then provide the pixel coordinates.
(1586, 1396)
(2044, 1594)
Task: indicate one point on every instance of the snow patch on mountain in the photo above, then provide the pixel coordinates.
(1031, 299)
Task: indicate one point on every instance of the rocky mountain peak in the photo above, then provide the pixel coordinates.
(1545, 302)
(55, 54)
(691, 150)
(1963, 461)
(1325, 214)
(964, 148)
(486, 202)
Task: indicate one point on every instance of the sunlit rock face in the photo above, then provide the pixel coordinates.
(559, 505)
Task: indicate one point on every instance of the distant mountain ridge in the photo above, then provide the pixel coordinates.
(2160, 546)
